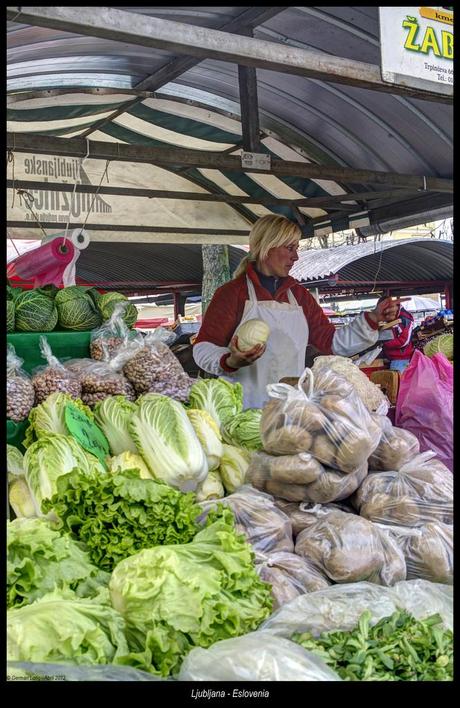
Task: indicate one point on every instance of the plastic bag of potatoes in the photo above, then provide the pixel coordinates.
(396, 447)
(348, 548)
(302, 478)
(289, 575)
(428, 551)
(322, 415)
(420, 492)
(265, 526)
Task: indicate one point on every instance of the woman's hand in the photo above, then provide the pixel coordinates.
(385, 311)
(238, 359)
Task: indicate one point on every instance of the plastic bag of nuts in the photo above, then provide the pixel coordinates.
(155, 369)
(54, 377)
(113, 336)
(99, 380)
(20, 394)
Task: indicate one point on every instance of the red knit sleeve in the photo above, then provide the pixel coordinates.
(321, 330)
(223, 315)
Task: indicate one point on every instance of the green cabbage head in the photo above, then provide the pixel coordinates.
(76, 309)
(244, 429)
(35, 312)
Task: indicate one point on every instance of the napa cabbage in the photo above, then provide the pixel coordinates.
(220, 398)
(167, 442)
(208, 434)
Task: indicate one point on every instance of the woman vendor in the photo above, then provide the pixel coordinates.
(263, 289)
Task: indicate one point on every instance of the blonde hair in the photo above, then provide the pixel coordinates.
(268, 232)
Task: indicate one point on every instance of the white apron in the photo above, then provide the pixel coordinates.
(285, 352)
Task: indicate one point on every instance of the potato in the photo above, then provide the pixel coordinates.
(353, 452)
(394, 450)
(289, 440)
(272, 415)
(394, 566)
(429, 553)
(333, 485)
(340, 407)
(291, 492)
(294, 469)
(324, 450)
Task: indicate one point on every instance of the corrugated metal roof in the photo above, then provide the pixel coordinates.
(322, 122)
(142, 266)
(404, 260)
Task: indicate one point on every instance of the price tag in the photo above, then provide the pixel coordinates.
(86, 433)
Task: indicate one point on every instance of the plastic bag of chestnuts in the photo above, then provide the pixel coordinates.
(155, 369)
(99, 380)
(113, 337)
(20, 394)
(53, 377)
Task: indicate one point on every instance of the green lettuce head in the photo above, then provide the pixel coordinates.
(177, 597)
(40, 559)
(115, 515)
(60, 627)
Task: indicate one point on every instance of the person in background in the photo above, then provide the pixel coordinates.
(398, 350)
(263, 289)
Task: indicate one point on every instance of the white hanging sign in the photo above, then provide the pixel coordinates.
(417, 47)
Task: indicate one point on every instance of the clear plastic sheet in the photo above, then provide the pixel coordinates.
(340, 606)
(53, 377)
(348, 548)
(20, 393)
(257, 656)
(421, 491)
(289, 575)
(265, 526)
(428, 551)
(322, 415)
(395, 449)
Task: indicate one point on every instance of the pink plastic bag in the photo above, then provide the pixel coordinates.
(425, 404)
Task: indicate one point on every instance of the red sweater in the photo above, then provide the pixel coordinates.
(226, 310)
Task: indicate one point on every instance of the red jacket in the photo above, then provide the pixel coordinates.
(226, 310)
(400, 347)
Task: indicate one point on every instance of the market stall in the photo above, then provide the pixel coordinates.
(159, 529)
